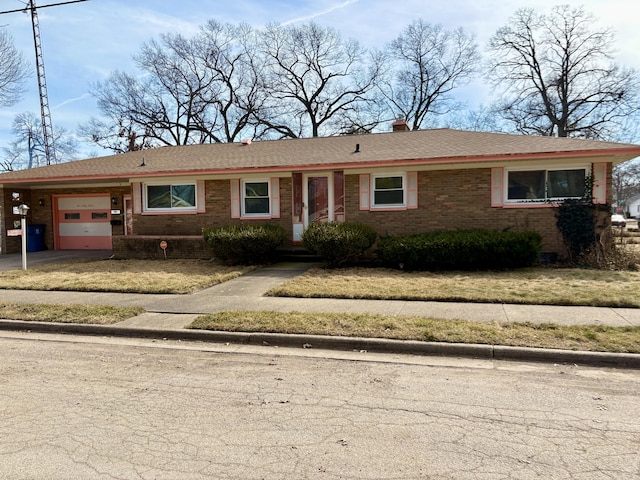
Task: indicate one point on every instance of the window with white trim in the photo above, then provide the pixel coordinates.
(545, 184)
(170, 197)
(388, 191)
(256, 198)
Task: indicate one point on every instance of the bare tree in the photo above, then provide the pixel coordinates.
(231, 54)
(427, 63)
(192, 90)
(116, 133)
(626, 181)
(13, 71)
(27, 149)
(481, 119)
(557, 77)
(318, 82)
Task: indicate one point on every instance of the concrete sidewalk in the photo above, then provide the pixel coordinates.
(168, 315)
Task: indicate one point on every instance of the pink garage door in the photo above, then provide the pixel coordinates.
(84, 223)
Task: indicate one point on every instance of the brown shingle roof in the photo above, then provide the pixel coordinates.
(426, 146)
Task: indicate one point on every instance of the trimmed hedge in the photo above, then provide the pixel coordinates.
(339, 243)
(245, 244)
(461, 250)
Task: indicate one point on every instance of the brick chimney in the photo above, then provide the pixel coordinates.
(400, 125)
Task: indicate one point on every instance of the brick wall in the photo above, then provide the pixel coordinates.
(218, 213)
(183, 233)
(454, 199)
(446, 200)
(148, 247)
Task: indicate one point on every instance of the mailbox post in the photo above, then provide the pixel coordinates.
(23, 209)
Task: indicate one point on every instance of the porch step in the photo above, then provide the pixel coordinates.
(297, 254)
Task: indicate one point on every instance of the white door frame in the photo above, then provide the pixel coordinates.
(305, 195)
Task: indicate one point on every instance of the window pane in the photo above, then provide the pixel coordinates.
(99, 216)
(183, 196)
(526, 185)
(256, 205)
(256, 189)
(159, 196)
(256, 198)
(566, 183)
(388, 197)
(72, 216)
(387, 183)
(388, 191)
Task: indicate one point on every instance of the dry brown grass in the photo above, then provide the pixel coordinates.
(131, 276)
(542, 286)
(94, 314)
(579, 337)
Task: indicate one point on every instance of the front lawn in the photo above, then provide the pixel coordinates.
(535, 286)
(127, 276)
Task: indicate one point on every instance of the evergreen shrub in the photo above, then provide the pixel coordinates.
(475, 249)
(245, 244)
(339, 244)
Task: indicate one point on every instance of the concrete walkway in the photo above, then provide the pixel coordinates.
(167, 314)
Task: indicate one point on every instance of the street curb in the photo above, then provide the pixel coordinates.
(374, 345)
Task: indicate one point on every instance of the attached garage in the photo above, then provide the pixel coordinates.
(83, 222)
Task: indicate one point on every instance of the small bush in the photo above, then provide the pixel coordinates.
(244, 244)
(461, 250)
(339, 243)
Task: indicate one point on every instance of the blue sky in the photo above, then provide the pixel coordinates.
(84, 42)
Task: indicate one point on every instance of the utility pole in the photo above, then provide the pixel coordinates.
(45, 113)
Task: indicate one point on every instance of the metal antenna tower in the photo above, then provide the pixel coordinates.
(45, 113)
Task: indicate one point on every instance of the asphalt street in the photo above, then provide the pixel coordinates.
(78, 407)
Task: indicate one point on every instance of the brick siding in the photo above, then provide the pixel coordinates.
(447, 199)
(454, 199)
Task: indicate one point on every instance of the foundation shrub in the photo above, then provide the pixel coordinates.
(461, 250)
(245, 244)
(576, 221)
(339, 243)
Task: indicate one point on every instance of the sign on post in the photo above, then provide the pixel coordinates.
(163, 246)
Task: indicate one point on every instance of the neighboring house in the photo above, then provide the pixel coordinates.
(400, 182)
(632, 207)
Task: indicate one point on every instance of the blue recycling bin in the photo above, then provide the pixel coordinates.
(35, 238)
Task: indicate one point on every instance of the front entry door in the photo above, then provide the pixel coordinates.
(317, 197)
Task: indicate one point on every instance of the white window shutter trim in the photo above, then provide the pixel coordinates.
(412, 190)
(600, 183)
(235, 198)
(365, 191)
(136, 190)
(497, 180)
(275, 197)
(201, 201)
